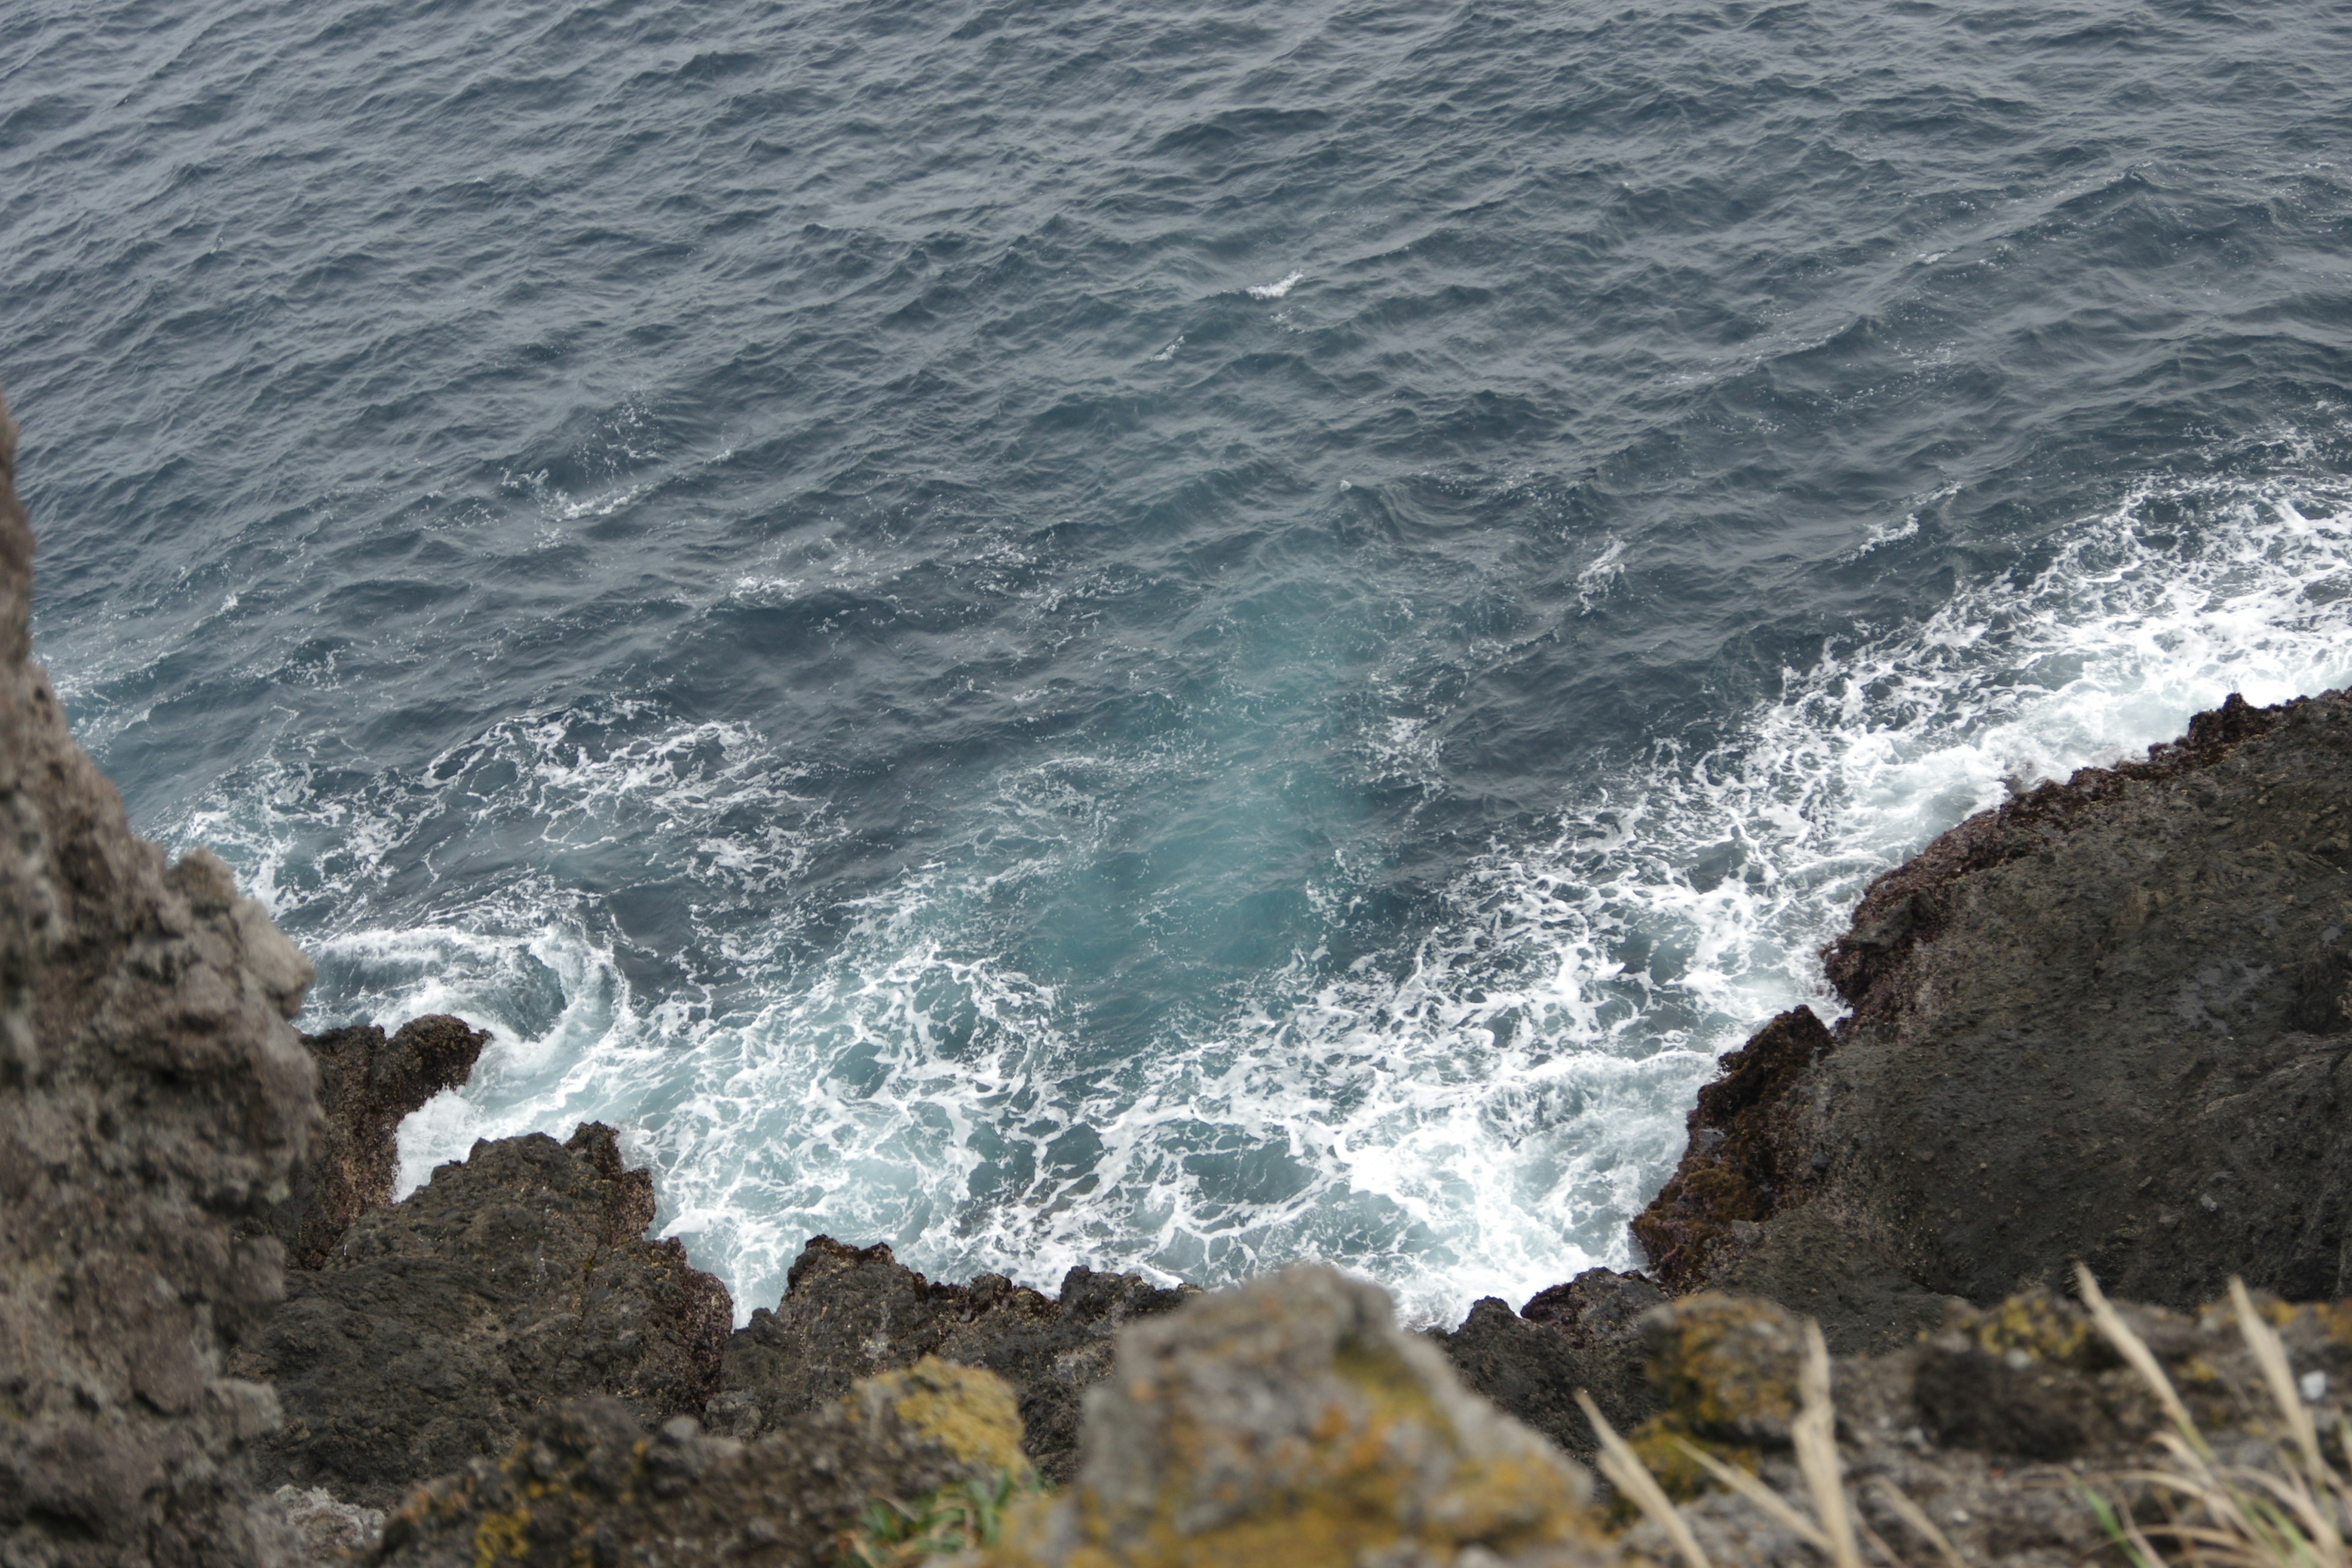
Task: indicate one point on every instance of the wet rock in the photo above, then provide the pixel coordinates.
(154, 1099)
(1745, 1162)
(1290, 1422)
(437, 1327)
(2106, 1021)
(849, 1312)
(366, 1085)
(589, 1483)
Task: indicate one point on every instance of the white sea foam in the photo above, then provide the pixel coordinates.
(1278, 289)
(1478, 1114)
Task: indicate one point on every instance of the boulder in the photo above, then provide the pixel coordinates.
(439, 1326)
(154, 1099)
(1290, 1421)
(849, 1312)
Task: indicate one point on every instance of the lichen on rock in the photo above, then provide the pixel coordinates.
(1289, 1421)
(588, 1483)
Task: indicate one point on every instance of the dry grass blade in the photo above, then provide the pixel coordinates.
(1731, 1478)
(2134, 1350)
(1630, 1476)
(1814, 1430)
(2270, 1354)
(1899, 1503)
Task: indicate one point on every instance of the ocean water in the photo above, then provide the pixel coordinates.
(1177, 639)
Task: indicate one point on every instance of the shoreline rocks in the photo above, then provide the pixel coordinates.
(2106, 1021)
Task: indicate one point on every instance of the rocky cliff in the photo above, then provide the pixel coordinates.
(2108, 1021)
(153, 1102)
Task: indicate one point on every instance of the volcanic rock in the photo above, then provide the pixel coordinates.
(849, 1312)
(366, 1085)
(439, 1326)
(2106, 1021)
(1582, 1335)
(152, 1101)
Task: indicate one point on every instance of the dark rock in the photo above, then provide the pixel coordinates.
(849, 1312)
(1534, 1369)
(589, 1484)
(366, 1085)
(152, 1101)
(1599, 1307)
(438, 1326)
(2104, 1021)
(1744, 1164)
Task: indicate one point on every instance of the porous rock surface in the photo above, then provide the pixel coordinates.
(437, 1328)
(2106, 1021)
(367, 1083)
(588, 1484)
(1290, 1421)
(153, 1100)
(1585, 1335)
(849, 1312)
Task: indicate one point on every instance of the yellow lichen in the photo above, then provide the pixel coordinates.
(1658, 1443)
(505, 1535)
(969, 1412)
(2036, 1324)
(1727, 1365)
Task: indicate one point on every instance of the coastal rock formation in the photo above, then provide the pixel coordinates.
(2106, 1021)
(849, 1312)
(1582, 1335)
(153, 1100)
(439, 1326)
(1290, 1421)
(366, 1085)
(589, 1484)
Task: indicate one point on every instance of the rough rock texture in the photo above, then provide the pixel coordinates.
(1993, 1425)
(326, 1529)
(1289, 1421)
(153, 1100)
(590, 1484)
(849, 1312)
(1582, 1335)
(438, 1326)
(2106, 1021)
(366, 1085)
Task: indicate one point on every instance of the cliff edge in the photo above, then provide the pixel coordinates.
(154, 1100)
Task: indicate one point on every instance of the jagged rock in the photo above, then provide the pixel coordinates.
(590, 1484)
(2106, 1021)
(849, 1312)
(153, 1100)
(366, 1085)
(1599, 1307)
(1290, 1421)
(1531, 1363)
(438, 1326)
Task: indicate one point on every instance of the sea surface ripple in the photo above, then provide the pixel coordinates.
(1176, 638)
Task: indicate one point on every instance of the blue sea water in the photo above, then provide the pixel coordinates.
(1177, 639)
